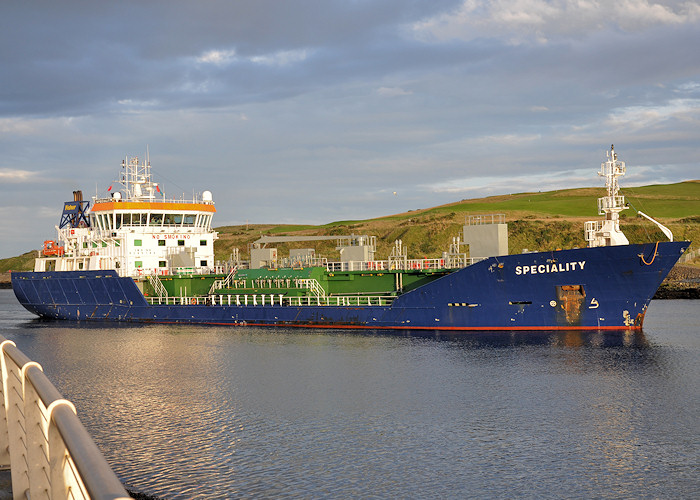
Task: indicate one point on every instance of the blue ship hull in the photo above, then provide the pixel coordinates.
(590, 288)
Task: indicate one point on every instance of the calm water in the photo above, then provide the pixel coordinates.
(190, 412)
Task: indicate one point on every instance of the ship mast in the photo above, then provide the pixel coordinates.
(612, 204)
(607, 232)
(136, 180)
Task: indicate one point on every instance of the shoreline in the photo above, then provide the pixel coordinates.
(683, 282)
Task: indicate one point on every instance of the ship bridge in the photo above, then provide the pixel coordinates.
(136, 230)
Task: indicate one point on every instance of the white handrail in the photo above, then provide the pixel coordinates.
(272, 299)
(48, 450)
(225, 283)
(313, 285)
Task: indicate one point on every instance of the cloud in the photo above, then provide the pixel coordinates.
(538, 20)
(689, 87)
(478, 187)
(217, 57)
(281, 58)
(27, 127)
(506, 139)
(228, 57)
(16, 126)
(392, 91)
(17, 176)
(132, 105)
(646, 117)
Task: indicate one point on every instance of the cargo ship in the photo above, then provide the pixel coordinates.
(134, 255)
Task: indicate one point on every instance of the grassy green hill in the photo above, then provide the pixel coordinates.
(24, 262)
(536, 221)
(664, 200)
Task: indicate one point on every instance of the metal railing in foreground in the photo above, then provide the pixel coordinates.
(42, 441)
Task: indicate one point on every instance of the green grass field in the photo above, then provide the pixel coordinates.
(665, 201)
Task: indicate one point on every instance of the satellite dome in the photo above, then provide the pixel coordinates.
(206, 196)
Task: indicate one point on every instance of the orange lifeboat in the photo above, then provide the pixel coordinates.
(51, 248)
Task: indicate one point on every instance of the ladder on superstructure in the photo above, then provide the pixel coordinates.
(224, 283)
(157, 286)
(314, 286)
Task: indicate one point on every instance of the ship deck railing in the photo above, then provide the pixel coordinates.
(484, 219)
(189, 201)
(273, 299)
(360, 265)
(610, 202)
(42, 441)
(140, 272)
(400, 264)
(592, 227)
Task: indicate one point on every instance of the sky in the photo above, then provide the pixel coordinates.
(313, 111)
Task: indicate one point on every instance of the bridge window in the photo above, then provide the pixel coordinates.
(139, 219)
(189, 219)
(156, 220)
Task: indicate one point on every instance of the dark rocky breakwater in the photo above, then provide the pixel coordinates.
(683, 282)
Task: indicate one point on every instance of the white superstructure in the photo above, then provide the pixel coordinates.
(135, 230)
